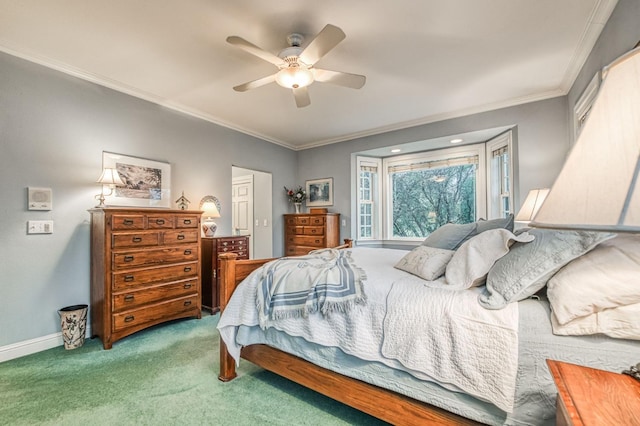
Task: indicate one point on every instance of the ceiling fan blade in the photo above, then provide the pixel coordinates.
(354, 81)
(326, 40)
(255, 83)
(255, 50)
(302, 97)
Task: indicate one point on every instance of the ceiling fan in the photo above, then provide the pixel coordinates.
(296, 64)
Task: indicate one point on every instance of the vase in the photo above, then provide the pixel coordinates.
(297, 206)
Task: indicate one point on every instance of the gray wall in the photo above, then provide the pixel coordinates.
(541, 133)
(620, 35)
(53, 129)
(544, 130)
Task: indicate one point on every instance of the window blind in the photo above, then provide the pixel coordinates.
(436, 164)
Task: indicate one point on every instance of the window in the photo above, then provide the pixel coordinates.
(425, 195)
(368, 197)
(499, 176)
(407, 197)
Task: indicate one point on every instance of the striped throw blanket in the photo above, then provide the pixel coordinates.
(324, 280)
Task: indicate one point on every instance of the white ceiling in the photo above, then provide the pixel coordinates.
(425, 60)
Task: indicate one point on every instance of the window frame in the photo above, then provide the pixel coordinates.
(376, 195)
(428, 156)
(381, 234)
(500, 141)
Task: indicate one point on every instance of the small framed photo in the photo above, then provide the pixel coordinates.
(319, 192)
(148, 182)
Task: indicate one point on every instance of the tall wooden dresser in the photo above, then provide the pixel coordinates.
(145, 269)
(310, 231)
(211, 248)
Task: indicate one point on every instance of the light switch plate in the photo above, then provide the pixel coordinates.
(40, 227)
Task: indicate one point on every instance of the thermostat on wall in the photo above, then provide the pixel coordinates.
(40, 199)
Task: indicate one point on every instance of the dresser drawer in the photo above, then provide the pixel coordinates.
(130, 279)
(181, 236)
(167, 255)
(295, 230)
(188, 222)
(303, 220)
(126, 221)
(135, 298)
(299, 250)
(155, 312)
(134, 239)
(313, 230)
(160, 221)
(317, 220)
(304, 240)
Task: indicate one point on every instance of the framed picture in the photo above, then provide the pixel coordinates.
(320, 192)
(148, 182)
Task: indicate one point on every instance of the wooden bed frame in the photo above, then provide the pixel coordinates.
(383, 404)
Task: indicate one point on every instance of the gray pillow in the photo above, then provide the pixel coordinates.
(450, 236)
(505, 222)
(527, 267)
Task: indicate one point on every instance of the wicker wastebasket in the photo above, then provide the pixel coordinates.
(73, 320)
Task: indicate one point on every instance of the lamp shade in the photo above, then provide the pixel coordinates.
(597, 187)
(110, 176)
(531, 205)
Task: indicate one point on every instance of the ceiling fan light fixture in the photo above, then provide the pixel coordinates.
(294, 77)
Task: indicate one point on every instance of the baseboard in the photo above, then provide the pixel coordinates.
(32, 346)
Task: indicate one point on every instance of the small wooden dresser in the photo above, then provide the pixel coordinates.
(211, 248)
(145, 269)
(310, 231)
(592, 397)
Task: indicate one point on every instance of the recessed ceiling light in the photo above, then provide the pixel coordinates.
(396, 150)
(455, 140)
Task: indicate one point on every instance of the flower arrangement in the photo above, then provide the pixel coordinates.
(297, 195)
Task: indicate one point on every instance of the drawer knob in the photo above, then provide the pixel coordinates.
(128, 258)
(317, 241)
(128, 221)
(187, 221)
(129, 318)
(187, 268)
(129, 298)
(224, 243)
(128, 278)
(187, 302)
(187, 285)
(187, 252)
(180, 237)
(137, 239)
(159, 221)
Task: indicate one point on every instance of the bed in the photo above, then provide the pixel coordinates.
(389, 384)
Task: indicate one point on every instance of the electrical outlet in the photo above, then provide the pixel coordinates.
(40, 227)
(344, 222)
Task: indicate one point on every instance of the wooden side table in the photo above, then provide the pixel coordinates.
(587, 396)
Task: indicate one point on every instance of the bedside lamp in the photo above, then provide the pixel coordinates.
(597, 188)
(110, 178)
(211, 207)
(531, 205)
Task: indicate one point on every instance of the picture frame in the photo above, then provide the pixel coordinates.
(319, 192)
(148, 182)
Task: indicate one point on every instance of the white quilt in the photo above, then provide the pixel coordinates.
(460, 343)
(363, 331)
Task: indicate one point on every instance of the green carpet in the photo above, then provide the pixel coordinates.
(166, 375)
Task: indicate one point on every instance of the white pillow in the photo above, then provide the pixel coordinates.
(428, 263)
(607, 277)
(621, 323)
(471, 263)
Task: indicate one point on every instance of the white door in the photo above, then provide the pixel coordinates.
(242, 205)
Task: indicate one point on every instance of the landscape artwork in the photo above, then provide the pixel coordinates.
(147, 182)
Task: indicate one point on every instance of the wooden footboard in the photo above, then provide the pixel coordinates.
(378, 402)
